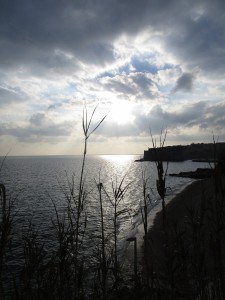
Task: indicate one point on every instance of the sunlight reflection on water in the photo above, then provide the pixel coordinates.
(36, 182)
(119, 163)
(118, 159)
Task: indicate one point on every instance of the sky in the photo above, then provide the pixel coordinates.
(149, 65)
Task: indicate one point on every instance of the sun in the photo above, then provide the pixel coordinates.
(121, 113)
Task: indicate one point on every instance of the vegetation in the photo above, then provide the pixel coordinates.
(183, 257)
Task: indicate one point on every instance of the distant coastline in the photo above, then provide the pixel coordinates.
(196, 152)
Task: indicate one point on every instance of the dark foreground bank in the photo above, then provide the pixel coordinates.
(184, 254)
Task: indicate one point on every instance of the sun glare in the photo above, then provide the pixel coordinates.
(121, 113)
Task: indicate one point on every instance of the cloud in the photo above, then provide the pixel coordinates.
(10, 95)
(215, 118)
(184, 83)
(39, 128)
(46, 39)
(136, 85)
(157, 118)
(55, 55)
(198, 40)
(200, 114)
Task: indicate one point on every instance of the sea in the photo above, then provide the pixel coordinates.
(38, 186)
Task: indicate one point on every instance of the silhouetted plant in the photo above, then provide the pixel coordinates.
(161, 181)
(31, 279)
(104, 267)
(71, 229)
(146, 201)
(6, 222)
(118, 193)
(145, 204)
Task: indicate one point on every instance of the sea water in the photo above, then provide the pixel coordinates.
(36, 185)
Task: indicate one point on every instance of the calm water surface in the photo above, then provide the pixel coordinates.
(35, 183)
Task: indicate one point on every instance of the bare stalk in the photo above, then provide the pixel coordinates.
(87, 132)
(103, 252)
(82, 195)
(5, 230)
(161, 181)
(119, 192)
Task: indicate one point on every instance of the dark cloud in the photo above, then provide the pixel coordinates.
(194, 30)
(187, 117)
(76, 40)
(119, 84)
(215, 117)
(135, 84)
(200, 114)
(31, 32)
(199, 38)
(145, 85)
(184, 83)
